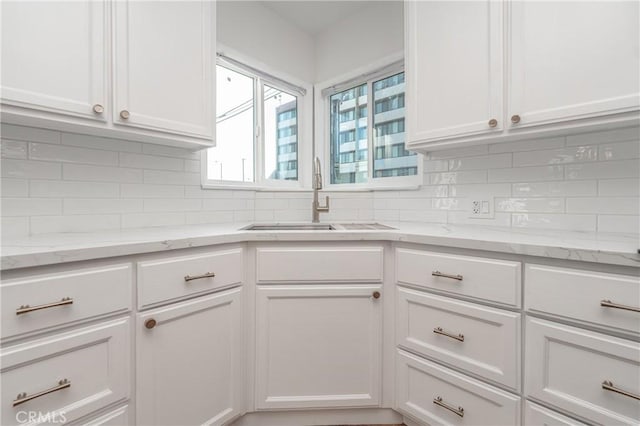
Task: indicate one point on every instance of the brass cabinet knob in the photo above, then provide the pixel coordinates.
(124, 114)
(150, 323)
(515, 119)
(376, 295)
(98, 109)
(493, 122)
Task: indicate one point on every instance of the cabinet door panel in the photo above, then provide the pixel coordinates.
(53, 56)
(163, 65)
(454, 68)
(189, 364)
(572, 60)
(318, 346)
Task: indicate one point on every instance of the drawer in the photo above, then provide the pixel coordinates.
(173, 278)
(319, 264)
(118, 417)
(537, 415)
(487, 279)
(88, 293)
(481, 340)
(94, 361)
(438, 396)
(580, 295)
(567, 368)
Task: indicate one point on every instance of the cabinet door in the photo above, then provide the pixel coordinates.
(53, 56)
(454, 68)
(189, 356)
(163, 65)
(572, 60)
(318, 346)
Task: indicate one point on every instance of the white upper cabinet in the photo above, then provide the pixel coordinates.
(163, 65)
(135, 70)
(54, 57)
(573, 60)
(453, 68)
(490, 71)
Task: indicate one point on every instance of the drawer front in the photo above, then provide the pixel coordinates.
(177, 277)
(319, 264)
(567, 366)
(118, 417)
(422, 385)
(487, 279)
(94, 361)
(579, 295)
(481, 340)
(87, 292)
(537, 415)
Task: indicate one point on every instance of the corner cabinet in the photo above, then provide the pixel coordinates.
(490, 71)
(141, 71)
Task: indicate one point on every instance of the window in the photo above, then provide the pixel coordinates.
(257, 129)
(366, 146)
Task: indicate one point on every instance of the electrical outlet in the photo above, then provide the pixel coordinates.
(482, 208)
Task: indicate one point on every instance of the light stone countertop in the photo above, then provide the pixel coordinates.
(47, 249)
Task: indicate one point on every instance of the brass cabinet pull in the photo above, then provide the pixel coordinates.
(98, 109)
(610, 304)
(608, 385)
(493, 122)
(188, 278)
(376, 295)
(440, 274)
(458, 411)
(515, 119)
(23, 397)
(124, 114)
(150, 323)
(458, 337)
(26, 308)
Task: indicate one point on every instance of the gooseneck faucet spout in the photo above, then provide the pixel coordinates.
(316, 208)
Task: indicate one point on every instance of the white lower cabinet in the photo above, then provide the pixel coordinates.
(537, 415)
(589, 374)
(63, 377)
(189, 361)
(435, 395)
(318, 346)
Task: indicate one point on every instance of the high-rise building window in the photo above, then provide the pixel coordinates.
(367, 145)
(257, 129)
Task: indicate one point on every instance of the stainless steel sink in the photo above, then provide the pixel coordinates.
(315, 226)
(290, 227)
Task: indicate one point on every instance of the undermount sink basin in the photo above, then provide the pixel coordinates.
(290, 227)
(315, 226)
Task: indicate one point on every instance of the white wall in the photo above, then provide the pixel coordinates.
(259, 33)
(363, 38)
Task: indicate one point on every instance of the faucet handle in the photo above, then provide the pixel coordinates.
(324, 208)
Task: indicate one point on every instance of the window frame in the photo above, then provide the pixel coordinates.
(385, 68)
(304, 106)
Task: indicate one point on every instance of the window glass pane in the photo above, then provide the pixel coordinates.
(390, 156)
(280, 134)
(232, 158)
(348, 117)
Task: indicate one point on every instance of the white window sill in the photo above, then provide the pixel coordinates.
(331, 188)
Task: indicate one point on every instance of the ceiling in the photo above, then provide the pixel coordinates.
(314, 16)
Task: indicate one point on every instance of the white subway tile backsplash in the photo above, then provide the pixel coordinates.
(618, 188)
(532, 174)
(79, 183)
(604, 205)
(83, 172)
(13, 149)
(68, 154)
(96, 142)
(29, 134)
(30, 169)
(142, 161)
(68, 189)
(31, 207)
